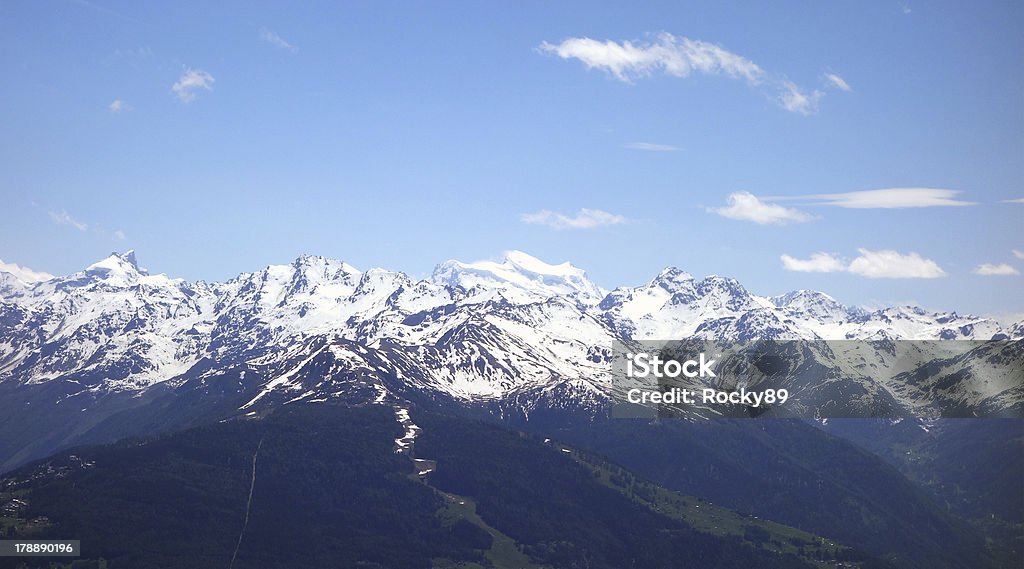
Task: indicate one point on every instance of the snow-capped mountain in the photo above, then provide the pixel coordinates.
(816, 306)
(115, 324)
(520, 337)
(14, 279)
(520, 277)
(111, 323)
(1015, 330)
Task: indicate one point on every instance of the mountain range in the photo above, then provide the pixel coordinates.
(514, 339)
(113, 353)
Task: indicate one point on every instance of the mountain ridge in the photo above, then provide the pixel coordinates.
(172, 323)
(518, 338)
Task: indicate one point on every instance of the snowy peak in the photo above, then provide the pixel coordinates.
(674, 281)
(803, 297)
(720, 286)
(531, 264)
(814, 304)
(522, 276)
(381, 284)
(672, 286)
(328, 268)
(1016, 331)
(125, 261)
(309, 273)
(674, 304)
(119, 269)
(722, 292)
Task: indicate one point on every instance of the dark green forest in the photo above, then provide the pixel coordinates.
(331, 492)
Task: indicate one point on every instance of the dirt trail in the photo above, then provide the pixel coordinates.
(248, 505)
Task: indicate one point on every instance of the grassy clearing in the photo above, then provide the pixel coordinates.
(707, 517)
(503, 554)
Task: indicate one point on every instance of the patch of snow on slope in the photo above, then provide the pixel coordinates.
(404, 443)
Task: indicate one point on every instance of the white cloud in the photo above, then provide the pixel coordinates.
(119, 235)
(838, 82)
(818, 263)
(584, 219)
(1018, 254)
(676, 56)
(64, 218)
(118, 105)
(276, 40)
(1017, 200)
(747, 207)
(652, 147)
(871, 264)
(891, 198)
(894, 265)
(191, 81)
(679, 56)
(990, 270)
(24, 274)
(794, 100)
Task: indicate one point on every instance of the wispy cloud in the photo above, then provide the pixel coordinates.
(884, 264)
(192, 80)
(62, 217)
(818, 263)
(276, 40)
(584, 219)
(1018, 254)
(796, 100)
(834, 80)
(24, 274)
(887, 198)
(118, 106)
(678, 56)
(119, 235)
(652, 147)
(1017, 200)
(748, 207)
(991, 270)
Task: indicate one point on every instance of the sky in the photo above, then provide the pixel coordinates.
(872, 150)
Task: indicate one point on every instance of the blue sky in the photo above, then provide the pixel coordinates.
(404, 134)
